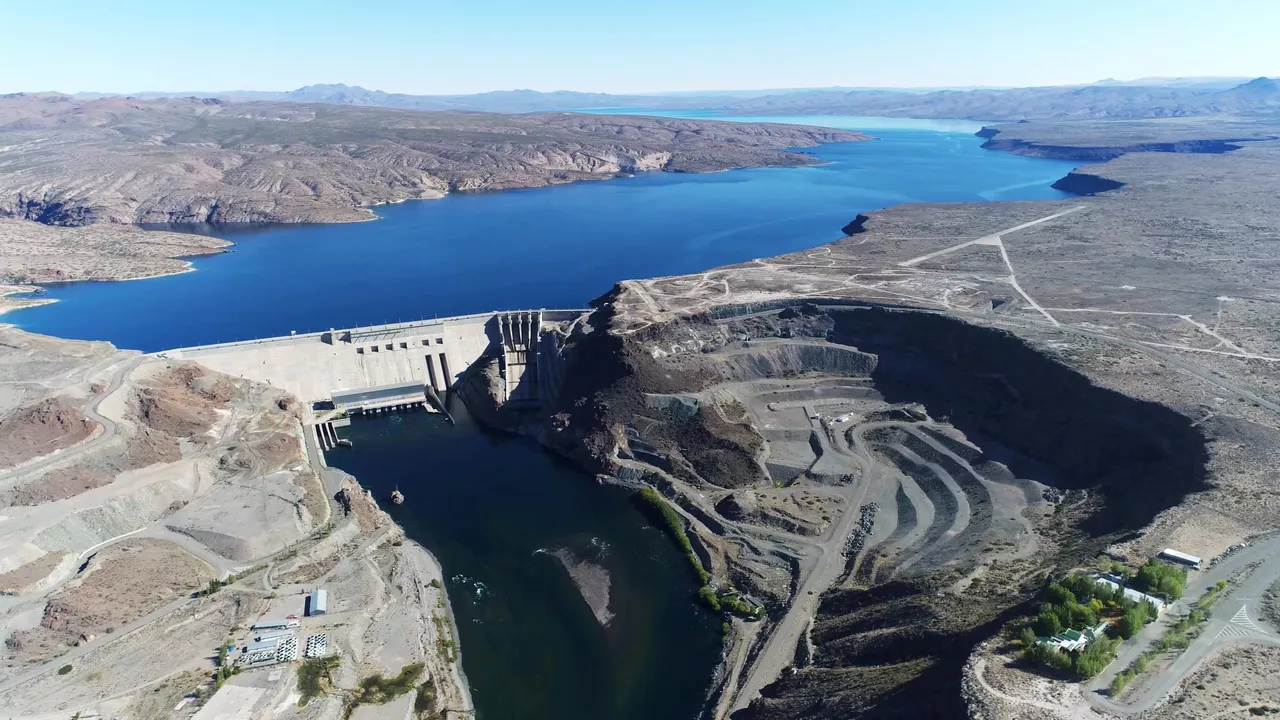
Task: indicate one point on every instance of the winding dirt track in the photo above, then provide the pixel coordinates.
(91, 411)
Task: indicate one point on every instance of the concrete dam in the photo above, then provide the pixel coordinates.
(368, 369)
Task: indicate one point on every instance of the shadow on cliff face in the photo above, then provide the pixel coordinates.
(1051, 422)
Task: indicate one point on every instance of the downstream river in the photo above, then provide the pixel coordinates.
(505, 518)
(499, 514)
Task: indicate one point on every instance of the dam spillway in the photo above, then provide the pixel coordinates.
(382, 364)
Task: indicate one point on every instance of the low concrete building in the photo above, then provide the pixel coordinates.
(318, 603)
(269, 644)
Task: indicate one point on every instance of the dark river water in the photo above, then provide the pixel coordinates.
(493, 508)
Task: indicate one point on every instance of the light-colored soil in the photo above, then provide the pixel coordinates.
(204, 476)
(23, 578)
(1239, 681)
(158, 702)
(59, 484)
(31, 252)
(180, 641)
(995, 689)
(108, 594)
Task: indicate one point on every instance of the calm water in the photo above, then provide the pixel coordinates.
(492, 508)
(549, 247)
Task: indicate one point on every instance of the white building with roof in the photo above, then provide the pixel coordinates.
(1134, 595)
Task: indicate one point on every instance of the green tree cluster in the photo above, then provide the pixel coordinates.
(1136, 615)
(1161, 578)
(1076, 602)
(1072, 603)
(1084, 664)
(724, 600)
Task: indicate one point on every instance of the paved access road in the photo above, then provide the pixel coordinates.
(1235, 618)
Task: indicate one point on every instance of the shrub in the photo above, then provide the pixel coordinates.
(1162, 578)
(1120, 682)
(1093, 659)
(313, 675)
(658, 509)
(1047, 624)
(1027, 637)
(424, 703)
(378, 690)
(1131, 623)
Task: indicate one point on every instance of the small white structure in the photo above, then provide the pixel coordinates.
(318, 603)
(1180, 558)
(1133, 595)
(317, 646)
(288, 650)
(274, 625)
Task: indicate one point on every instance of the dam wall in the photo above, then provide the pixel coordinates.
(434, 353)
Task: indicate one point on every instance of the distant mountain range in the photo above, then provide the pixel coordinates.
(1143, 98)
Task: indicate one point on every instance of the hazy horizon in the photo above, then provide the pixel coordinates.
(659, 47)
(654, 93)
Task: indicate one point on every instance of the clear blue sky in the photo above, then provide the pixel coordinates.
(458, 46)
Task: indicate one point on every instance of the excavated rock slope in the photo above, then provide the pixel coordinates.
(890, 641)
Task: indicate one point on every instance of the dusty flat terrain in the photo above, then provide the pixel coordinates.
(1239, 681)
(71, 161)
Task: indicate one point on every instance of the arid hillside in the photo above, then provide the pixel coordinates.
(67, 161)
